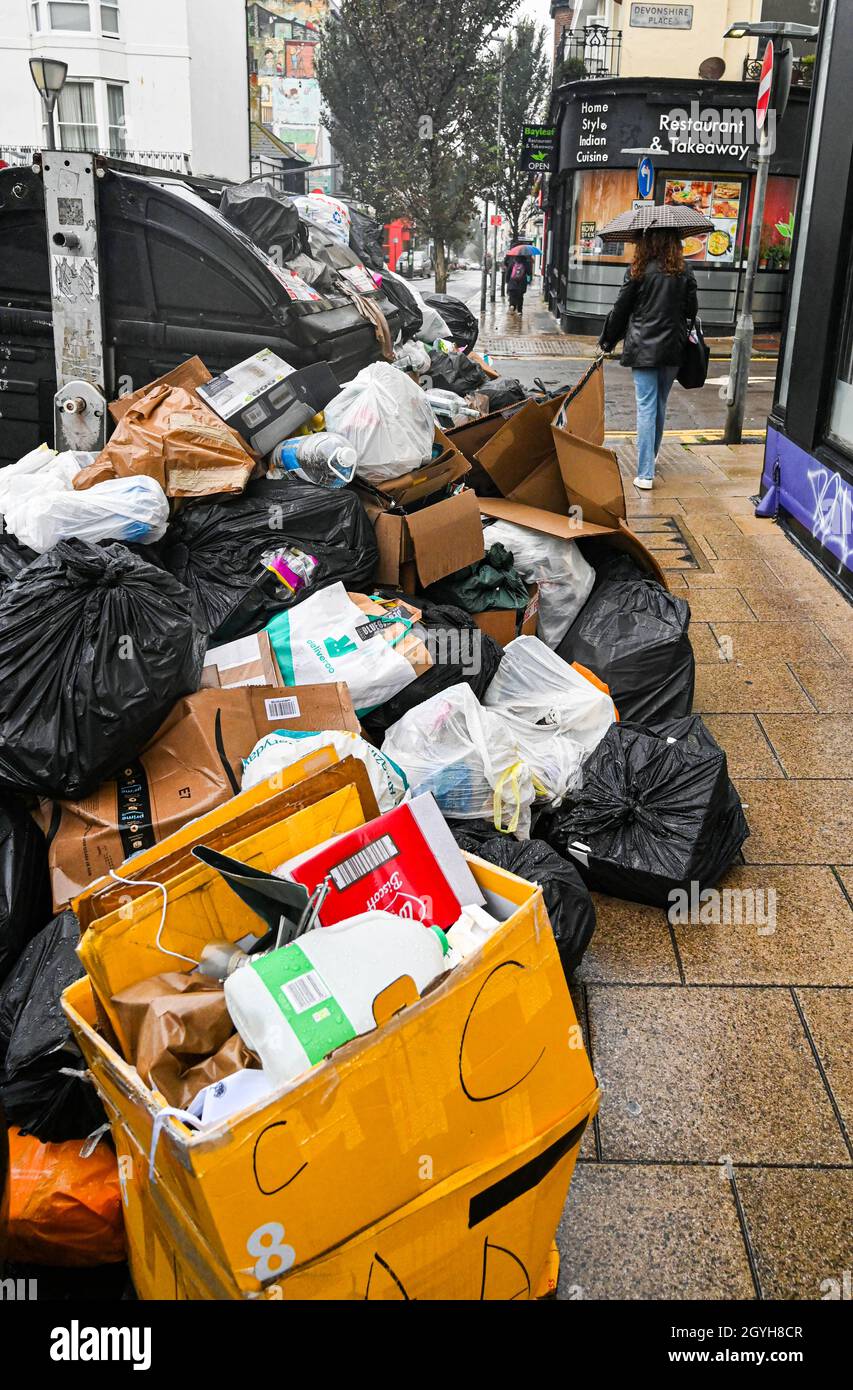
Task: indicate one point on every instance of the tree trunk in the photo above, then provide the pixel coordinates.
(440, 267)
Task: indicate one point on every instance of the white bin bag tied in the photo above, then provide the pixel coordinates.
(564, 577)
(536, 685)
(387, 419)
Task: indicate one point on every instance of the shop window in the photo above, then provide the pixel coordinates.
(777, 231)
(69, 14)
(35, 17)
(600, 195)
(78, 125)
(720, 198)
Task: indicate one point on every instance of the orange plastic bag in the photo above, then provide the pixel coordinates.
(64, 1209)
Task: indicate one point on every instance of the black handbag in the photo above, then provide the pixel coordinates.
(693, 371)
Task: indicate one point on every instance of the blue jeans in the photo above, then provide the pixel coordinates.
(652, 386)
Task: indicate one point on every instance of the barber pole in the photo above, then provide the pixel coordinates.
(765, 88)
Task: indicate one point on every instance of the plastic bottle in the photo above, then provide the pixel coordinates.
(293, 1006)
(326, 459)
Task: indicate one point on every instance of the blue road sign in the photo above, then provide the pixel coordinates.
(645, 176)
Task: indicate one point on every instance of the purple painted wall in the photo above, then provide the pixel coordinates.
(815, 496)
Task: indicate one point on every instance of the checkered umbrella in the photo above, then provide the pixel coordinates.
(671, 217)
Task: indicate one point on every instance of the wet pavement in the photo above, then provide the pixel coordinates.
(721, 1164)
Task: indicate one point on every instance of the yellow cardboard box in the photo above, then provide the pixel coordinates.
(428, 1159)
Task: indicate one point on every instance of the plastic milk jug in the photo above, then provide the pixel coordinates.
(293, 1006)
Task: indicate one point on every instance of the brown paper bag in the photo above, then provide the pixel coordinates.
(181, 1036)
(171, 435)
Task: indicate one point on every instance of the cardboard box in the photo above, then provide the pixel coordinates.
(191, 765)
(246, 661)
(302, 784)
(417, 548)
(267, 400)
(321, 1191)
(448, 468)
(554, 479)
(502, 623)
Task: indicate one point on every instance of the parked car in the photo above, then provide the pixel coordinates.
(176, 280)
(415, 265)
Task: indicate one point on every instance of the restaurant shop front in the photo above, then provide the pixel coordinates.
(699, 139)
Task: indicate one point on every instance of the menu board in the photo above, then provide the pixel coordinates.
(720, 201)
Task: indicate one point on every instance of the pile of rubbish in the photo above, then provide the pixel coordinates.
(314, 701)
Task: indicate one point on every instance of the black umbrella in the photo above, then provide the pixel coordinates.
(670, 217)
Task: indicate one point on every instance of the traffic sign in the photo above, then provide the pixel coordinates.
(645, 176)
(495, 220)
(765, 88)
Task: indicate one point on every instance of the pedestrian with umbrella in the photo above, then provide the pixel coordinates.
(518, 273)
(653, 313)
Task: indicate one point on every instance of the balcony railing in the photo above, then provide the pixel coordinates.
(590, 52)
(170, 161)
(801, 73)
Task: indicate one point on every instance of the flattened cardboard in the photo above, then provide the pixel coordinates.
(191, 766)
(543, 470)
(429, 544)
(248, 813)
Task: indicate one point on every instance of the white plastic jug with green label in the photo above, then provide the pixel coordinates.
(294, 1006)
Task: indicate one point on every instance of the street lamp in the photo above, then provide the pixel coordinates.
(49, 75)
(778, 32)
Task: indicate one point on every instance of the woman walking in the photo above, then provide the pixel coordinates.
(519, 272)
(653, 313)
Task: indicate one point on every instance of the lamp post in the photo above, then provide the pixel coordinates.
(49, 75)
(779, 34)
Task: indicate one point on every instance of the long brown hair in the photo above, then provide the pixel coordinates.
(658, 245)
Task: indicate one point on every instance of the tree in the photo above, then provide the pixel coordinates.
(526, 87)
(410, 102)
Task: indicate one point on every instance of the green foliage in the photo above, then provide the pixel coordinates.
(409, 91)
(526, 88)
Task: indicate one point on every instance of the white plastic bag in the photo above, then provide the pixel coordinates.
(281, 749)
(555, 760)
(466, 756)
(120, 509)
(42, 470)
(325, 212)
(411, 356)
(328, 638)
(536, 685)
(564, 577)
(388, 421)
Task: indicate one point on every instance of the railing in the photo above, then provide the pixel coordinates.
(171, 161)
(801, 73)
(590, 52)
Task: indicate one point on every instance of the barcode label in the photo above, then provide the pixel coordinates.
(363, 862)
(306, 991)
(287, 707)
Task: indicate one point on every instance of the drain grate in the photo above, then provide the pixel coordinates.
(546, 345)
(673, 546)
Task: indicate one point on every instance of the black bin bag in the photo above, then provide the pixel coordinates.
(567, 899)
(36, 1043)
(460, 652)
(632, 633)
(463, 325)
(14, 557)
(25, 899)
(95, 648)
(215, 548)
(453, 371)
(656, 813)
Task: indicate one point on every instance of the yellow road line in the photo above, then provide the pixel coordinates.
(698, 436)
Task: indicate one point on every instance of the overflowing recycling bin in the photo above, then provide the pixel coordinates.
(328, 693)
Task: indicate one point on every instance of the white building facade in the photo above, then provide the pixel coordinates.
(162, 82)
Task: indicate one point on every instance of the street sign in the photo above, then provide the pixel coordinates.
(537, 148)
(495, 220)
(765, 88)
(645, 176)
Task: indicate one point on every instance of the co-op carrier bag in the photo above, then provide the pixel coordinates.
(320, 1191)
